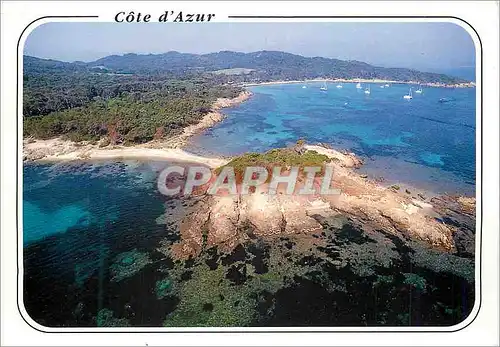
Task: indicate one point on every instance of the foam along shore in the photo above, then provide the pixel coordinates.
(63, 150)
(361, 80)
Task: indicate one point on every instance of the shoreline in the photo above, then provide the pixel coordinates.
(208, 121)
(57, 149)
(363, 198)
(363, 80)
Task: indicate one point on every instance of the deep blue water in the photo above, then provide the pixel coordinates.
(422, 141)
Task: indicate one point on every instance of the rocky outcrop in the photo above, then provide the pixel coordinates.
(442, 223)
(458, 213)
(227, 221)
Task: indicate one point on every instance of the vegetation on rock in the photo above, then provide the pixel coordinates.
(279, 157)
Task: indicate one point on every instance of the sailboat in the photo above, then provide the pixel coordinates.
(408, 96)
(419, 90)
(339, 85)
(358, 86)
(386, 85)
(367, 90)
(324, 86)
(382, 86)
(304, 87)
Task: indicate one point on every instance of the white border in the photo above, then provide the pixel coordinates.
(475, 309)
(107, 11)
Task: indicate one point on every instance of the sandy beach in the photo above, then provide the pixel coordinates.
(62, 150)
(361, 80)
(58, 149)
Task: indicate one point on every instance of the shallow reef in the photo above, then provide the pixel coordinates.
(346, 274)
(163, 287)
(105, 319)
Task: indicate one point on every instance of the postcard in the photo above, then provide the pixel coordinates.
(222, 169)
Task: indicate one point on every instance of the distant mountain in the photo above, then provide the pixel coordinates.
(36, 65)
(465, 72)
(265, 66)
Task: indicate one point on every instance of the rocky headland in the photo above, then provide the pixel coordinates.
(444, 223)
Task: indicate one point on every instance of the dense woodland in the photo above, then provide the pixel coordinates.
(136, 98)
(124, 108)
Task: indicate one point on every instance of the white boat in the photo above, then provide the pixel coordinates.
(382, 86)
(358, 86)
(367, 90)
(324, 87)
(408, 96)
(304, 87)
(339, 86)
(419, 90)
(386, 85)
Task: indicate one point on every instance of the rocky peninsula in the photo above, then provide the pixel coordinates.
(357, 258)
(226, 221)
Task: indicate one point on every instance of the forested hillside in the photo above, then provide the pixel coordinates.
(267, 65)
(81, 105)
(135, 98)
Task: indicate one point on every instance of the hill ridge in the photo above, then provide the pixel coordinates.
(266, 66)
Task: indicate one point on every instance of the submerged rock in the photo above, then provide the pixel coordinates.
(415, 281)
(127, 264)
(163, 288)
(105, 318)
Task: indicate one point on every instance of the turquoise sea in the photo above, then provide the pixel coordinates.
(422, 141)
(95, 233)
